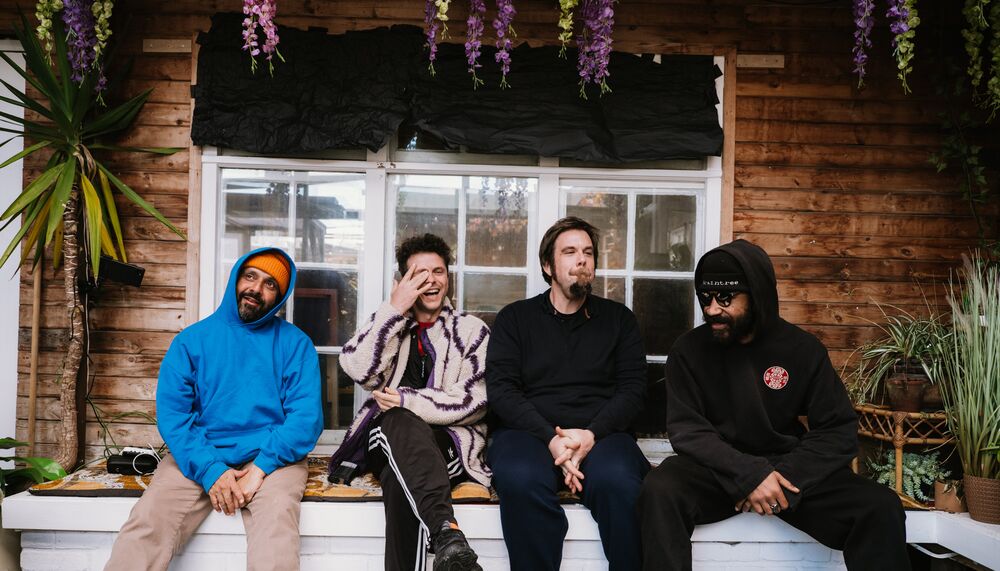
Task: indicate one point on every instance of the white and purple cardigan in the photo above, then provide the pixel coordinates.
(455, 395)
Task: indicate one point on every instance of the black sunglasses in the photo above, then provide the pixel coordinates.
(723, 298)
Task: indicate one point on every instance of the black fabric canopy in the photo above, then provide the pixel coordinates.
(356, 89)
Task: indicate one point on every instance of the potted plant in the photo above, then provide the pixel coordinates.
(970, 385)
(920, 472)
(69, 208)
(15, 472)
(948, 496)
(902, 364)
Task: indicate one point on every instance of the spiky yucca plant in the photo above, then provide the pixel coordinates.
(73, 198)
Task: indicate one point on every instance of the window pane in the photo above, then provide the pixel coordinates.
(652, 421)
(497, 225)
(326, 305)
(255, 206)
(337, 393)
(664, 232)
(486, 294)
(665, 310)
(329, 212)
(610, 288)
(609, 213)
(427, 203)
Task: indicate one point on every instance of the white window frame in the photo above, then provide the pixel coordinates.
(376, 271)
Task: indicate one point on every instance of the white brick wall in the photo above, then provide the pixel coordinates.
(83, 550)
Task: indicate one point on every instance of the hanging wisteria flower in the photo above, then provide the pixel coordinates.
(473, 38)
(442, 15)
(503, 24)
(102, 25)
(863, 22)
(904, 20)
(595, 44)
(431, 29)
(81, 40)
(45, 10)
(261, 12)
(566, 23)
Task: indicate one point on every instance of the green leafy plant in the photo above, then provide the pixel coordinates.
(70, 205)
(907, 341)
(920, 471)
(25, 469)
(970, 384)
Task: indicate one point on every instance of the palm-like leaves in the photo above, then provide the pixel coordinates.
(72, 123)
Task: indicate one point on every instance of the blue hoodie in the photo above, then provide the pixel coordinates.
(232, 392)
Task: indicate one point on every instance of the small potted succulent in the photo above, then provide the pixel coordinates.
(920, 472)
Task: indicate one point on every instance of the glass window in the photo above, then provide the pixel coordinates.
(484, 219)
(321, 225)
(646, 261)
(492, 212)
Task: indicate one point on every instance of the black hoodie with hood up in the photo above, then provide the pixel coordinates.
(735, 409)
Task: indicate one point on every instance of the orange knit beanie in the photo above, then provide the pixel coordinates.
(274, 264)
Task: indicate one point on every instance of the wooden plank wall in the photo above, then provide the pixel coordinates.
(832, 181)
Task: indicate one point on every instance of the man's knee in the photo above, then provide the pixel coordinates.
(398, 418)
(617, 479)
(663, 486)
(518, 475)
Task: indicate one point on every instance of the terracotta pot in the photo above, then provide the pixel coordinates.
(906, 391)
(983, 498)
(946, 497)
(932, 398)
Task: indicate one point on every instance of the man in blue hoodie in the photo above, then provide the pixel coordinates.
(238, 404)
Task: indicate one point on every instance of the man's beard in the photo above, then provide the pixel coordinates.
(250, 314)
(739, 327)
(579, 291)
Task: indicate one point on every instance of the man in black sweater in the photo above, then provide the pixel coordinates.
(565, 375)
(737, 387)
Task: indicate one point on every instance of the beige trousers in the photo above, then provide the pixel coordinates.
(173, 507)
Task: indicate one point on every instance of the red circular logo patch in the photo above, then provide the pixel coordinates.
(776, 377)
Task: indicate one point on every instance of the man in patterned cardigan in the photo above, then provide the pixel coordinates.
(422, 430)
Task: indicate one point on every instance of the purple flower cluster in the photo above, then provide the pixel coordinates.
(503, 24)
(81, 39)
(473, 37)
(863, 22)
(432, 26)
(899, 16)
(594, 43)
(260, 12)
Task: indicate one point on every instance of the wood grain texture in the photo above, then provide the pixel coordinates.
(832, 180)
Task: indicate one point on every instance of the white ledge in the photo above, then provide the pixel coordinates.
(957, 532)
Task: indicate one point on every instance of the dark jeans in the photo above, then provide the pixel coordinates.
(409, 459)
(534, 524)
(845, 511)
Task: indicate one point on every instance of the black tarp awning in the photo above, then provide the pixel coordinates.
(355, 89)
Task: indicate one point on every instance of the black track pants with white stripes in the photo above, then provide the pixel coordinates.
(417, 466)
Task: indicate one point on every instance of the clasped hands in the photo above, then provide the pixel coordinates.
(235, 488)
(568, 448)
(769, 496)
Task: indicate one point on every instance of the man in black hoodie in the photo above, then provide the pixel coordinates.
(736, 389)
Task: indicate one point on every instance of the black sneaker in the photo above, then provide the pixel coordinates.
(452, 551)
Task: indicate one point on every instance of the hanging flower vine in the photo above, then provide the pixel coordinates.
(473, 38)
(45, 10)
(904, 21)
(863, 22)
(566, 24)
(261, 13)
(503, 24)
(594, 43)
(992, 99)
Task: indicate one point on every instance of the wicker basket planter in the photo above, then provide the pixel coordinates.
(982, 495)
